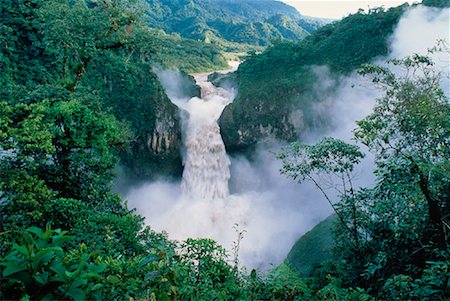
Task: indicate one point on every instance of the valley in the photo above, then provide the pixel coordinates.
(223, 150)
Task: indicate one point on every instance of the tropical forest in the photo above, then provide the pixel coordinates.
(224, 150)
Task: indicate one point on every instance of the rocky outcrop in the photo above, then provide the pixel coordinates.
(163, 136)
(242, 128)
(157, 151)
(155, 147)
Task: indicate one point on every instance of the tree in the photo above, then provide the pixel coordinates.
(409, 130)
(331, 158)
(403, 221)
(76, 32)
(50, 149)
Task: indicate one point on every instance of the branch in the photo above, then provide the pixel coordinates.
(330, 202)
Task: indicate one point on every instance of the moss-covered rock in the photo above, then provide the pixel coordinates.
(313, 248)
(135, 96)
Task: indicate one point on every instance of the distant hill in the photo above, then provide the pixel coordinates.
(237, 21)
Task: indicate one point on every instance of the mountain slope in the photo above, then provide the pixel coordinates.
(276, 88)
(243, 21)
(312, 248)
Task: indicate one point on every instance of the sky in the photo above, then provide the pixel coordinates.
(337, 9)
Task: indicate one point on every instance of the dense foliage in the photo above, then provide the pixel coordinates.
(313, 248)
(101, 55)
(78, 93)
(278, 87)
(436, 3)
(78, 88)
(391, 239)
(231, 23)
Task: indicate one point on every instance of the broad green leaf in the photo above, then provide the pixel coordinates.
(60, 271)
(148, 259)
(41, 278)
(76, 293)
(39, 233)
(151, 275)
(44, 256)
(97, 286)
(79, 282)
(12, 269)
(61, 238)
(113, 279)
(22, 250)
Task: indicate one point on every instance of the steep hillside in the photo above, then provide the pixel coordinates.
(187, 55)
(276, 87)
(106, 67)
(244, 21)
(312, 248)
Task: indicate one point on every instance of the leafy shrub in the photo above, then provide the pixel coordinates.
(41, 269)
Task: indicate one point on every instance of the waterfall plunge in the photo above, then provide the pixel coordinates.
(272, 209)
(206, 164)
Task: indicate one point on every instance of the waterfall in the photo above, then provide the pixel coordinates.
(206, 164)
(200, 205)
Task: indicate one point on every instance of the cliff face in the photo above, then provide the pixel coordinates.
(263, 112)
(241, 129)
(154, 137)
(155, 149)
(164, 135)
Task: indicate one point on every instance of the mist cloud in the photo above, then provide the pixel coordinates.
(275, 211)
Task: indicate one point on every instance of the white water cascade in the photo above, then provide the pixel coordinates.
(207, 202)
(206, 164)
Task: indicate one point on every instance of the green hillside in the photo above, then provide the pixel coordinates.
(107, 67)
(79, 94)
(436, 3)
(245, 21)
(276, 87)
(187, 55)
(313, 248)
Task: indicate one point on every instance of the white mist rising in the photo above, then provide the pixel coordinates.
(274, 210)
(419, 30)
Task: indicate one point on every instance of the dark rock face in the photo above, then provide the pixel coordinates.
(241, 130)
(155, 148)
(280, 88)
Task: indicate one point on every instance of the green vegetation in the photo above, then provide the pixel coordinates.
(78, 89)
(105, 63)
(41, 267)
(277, 87)
(78, 94)
(391, 240)
(436, 3)
(230, 24)
(313, 248)
(188, 55)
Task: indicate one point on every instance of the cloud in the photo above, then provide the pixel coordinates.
(419, 30)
